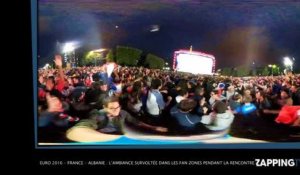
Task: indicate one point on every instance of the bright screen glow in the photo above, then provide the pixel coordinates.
(195, 64)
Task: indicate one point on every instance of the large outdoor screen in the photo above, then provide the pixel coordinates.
(194, 62)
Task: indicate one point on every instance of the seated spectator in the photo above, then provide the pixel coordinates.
(261, 102)
(235, 101)
(228, 94)
(185, 121)
(215, 96)
(102, 86)
(134, 103)
(247, 108)
(199, 93)
(53, 122)
(105, 124)
(289, 115)
(203, 108)
(285, 98)
(182, 94)
(220, 119)
(248, 111)
(297, 121)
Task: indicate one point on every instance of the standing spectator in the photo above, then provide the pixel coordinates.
(155, 103)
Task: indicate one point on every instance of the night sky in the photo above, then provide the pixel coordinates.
(235, 32)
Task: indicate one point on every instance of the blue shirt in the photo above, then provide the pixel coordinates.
(186, 121)
(246, 109)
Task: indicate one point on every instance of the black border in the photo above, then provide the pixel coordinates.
(36, 155)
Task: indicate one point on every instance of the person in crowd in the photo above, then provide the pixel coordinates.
(134, 103)
(248, 113)
(203, 108)
(261, 102)
(155, 103)
(153, 94)
(185, 121)
(229, 93)
(106, 124)
(54, 121)
(235, 101)
(285, 98)
(220, 119)
(295, 94)
(215, 96)
(57, 82)
(182, 94)
(199, 93)
(77, 82)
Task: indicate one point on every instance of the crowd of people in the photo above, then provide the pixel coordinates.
(96, 103)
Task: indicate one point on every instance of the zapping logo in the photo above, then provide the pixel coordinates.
(277, 162)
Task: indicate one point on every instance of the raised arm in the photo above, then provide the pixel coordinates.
(58, 63)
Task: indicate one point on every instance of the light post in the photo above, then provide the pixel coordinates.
(69, 48)
(288, 63)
